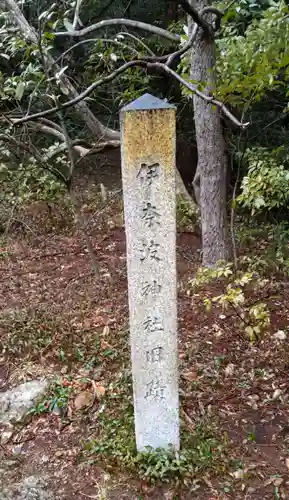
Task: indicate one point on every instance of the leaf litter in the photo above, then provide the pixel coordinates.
(60, 321)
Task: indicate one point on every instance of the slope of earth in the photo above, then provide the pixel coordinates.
(62, 321)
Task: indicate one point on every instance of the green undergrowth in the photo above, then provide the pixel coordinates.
(55, 399)
(42, 333)
(187, 216)
(268, 247)
(113, 444)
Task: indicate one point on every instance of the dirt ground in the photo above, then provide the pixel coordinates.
(60, 319)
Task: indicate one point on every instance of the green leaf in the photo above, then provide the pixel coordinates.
(68, 25)
(259, 202)
(19, 91)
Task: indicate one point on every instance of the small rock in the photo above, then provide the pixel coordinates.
(35, 488)
(280, 335)
(190, 376)
(15, 403)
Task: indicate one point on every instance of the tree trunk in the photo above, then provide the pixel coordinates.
(95, 126)
(212, 159)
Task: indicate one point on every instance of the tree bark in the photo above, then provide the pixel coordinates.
(210, 180)
(94, 125)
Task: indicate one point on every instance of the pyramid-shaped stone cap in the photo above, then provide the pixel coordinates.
(147, 101)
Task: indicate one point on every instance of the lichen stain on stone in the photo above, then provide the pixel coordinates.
(149, 136)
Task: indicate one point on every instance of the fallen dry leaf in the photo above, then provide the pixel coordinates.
(277, 393)
(99, 390)
(83, 399)
(190, 376)
(104, 344)
(106, 330)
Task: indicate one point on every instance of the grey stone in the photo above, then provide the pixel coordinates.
(15, 403)
(148, 174)
(32, 488)
(147, 102)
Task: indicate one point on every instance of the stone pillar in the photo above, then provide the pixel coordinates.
(148, 175)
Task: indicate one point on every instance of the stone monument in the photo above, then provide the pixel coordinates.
(148, 176)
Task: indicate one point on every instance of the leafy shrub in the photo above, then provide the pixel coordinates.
(253, 318)
(28, 186)
(24, 183)
(186, 216)
(116, 444)
(266, 186)
(249, 65)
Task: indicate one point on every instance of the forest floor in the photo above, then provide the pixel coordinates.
(62, 321)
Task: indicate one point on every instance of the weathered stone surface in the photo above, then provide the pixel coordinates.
(32, 488)
(16, 402)
(148, 173)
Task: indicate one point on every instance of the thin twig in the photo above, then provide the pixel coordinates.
(76, 14)
(142, 63)
(89, 40)
(121, 22)
(33, 151)
(198, 18)
(136, 39)
(52, 124)
(74, 201)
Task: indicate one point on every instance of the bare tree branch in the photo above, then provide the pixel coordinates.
(209, 99)
(145, 64)
(96, 127)
(136, 39)
(89, 40)
(59, 134)
(33, 151)
(52, 124)
(198, 17)
(76, 19)
(120, 22)
(178, 53)
(95, 148)
(73, 198)
(47, 130)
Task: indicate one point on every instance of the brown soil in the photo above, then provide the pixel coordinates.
(49, 280)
